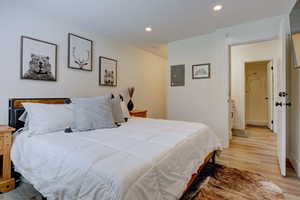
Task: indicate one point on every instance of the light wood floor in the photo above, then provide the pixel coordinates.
(258, 153)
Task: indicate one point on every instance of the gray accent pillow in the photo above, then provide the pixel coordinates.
(92, 113)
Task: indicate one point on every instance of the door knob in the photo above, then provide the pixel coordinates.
(289, 104)
(283, 94)
(278, 104)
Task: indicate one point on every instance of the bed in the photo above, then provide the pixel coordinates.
(144, 159)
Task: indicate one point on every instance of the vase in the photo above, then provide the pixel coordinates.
(130, 105)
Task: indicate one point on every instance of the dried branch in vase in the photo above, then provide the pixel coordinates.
(131, 91)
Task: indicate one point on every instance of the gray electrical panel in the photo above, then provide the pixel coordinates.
(177, 75)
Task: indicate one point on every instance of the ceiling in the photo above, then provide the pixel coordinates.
(171, 20)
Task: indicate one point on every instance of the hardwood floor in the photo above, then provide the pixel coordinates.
(258, 153)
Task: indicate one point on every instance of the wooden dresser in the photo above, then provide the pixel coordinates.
(7, 183)
(139, 113)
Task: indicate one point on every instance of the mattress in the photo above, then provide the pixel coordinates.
(144, 159)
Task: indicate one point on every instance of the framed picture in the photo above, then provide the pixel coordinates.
(38, 59)
(80, 53)
(107, 71)
(201, 71)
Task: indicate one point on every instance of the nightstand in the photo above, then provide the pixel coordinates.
(7, 183)
(139, 113)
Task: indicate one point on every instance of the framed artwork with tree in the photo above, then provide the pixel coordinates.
(80, 53)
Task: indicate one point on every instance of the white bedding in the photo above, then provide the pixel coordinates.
(144, 159)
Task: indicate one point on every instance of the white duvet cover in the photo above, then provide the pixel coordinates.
(144, 159)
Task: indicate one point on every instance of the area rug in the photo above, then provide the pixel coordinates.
(218, 182)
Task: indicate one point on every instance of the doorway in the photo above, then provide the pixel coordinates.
(241, 54)
(259, 87)
(253, 103)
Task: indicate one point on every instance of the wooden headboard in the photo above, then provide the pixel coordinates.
(16, 108)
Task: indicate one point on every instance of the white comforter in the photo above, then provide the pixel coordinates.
(145, 159)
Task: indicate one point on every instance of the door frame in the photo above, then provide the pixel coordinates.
(282, 137)
(271, 124)
(228, 45)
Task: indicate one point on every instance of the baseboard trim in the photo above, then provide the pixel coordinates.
(295, 163)
(257, 123)
(237, 126)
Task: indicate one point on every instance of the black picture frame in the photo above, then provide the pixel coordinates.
(22, 76)
(100, 74)
(208, 65)
(69, 52)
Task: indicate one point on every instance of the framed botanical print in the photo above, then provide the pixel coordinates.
(201, 71)
(80, 53)
(108, 71)
(38, 59)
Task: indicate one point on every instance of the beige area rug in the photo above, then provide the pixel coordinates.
(224, 183)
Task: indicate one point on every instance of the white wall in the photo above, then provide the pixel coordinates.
(136, 67)
(199, 100)
(241, 54)
(206, 100)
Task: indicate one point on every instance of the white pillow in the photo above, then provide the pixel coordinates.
(47, 118)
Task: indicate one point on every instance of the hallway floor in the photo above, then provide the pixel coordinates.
(258, 153)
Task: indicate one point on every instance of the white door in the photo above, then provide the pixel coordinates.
(230, 110)
(270, 97)
(280, 123)
(256, 94)
(281, 101)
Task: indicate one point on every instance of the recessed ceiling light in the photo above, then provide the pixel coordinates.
(218, 7)
(148, 29)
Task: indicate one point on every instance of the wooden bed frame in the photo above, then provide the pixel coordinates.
(211, 158)
(16, 109)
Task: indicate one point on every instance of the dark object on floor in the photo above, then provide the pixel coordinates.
(240, 133)
(218, 182)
